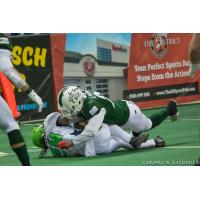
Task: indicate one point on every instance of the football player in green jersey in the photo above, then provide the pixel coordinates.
(73, 102)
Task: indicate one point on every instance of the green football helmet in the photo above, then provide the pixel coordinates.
(37, 134)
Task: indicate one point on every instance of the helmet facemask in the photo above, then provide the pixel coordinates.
(39, 139)
(70, 113)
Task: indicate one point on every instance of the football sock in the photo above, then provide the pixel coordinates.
(135, 134)
(148, 144)
(158, 118)
(17, 143)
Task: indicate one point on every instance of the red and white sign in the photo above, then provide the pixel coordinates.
(88, 63)
(118, 48)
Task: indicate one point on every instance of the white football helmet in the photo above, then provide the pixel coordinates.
(70, 101)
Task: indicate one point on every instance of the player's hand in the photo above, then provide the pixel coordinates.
(35, 98)
(64, 144)
(80, 125)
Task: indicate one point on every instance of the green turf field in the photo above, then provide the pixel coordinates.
(182, 138)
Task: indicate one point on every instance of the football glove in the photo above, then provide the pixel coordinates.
(35, 98)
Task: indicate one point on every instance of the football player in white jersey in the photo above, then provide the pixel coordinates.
(7, 122)
(86, 140)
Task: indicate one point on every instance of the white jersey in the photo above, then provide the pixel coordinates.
(82, 139)
(55, 134)
(86, 143)
(50, 125)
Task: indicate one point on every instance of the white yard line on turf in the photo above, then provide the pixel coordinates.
(33, 149)
(198, 119)
(3, 154)
(182, 147)
(192, 119)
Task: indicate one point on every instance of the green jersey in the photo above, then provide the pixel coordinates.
(5, 42)
(117, 112)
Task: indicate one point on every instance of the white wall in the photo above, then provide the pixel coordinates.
(117, 82)
(76, 70)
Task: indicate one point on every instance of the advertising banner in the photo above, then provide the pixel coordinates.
(58, 43)
(158, 70)
(32, 58)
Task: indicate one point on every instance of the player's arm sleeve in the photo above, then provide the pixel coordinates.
(76, 150)
(14, 77)
(91, 128)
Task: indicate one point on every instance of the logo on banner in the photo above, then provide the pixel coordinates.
(118, 48)
(88, 63)
(159, 45)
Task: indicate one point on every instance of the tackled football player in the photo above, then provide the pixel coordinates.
(65, 138)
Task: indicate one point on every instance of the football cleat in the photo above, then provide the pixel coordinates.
(137, 141)
(160, 142)
(172, 110)
(197, 163)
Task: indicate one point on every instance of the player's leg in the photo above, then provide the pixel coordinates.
(115, 143)
(118, 132)
(126, 137)
(151, 143)
(139, 123)
(105, 143)
(11, 128)
(171, 111)
(111, 138)
(101, 139)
